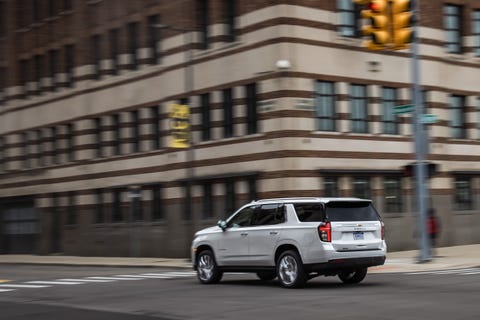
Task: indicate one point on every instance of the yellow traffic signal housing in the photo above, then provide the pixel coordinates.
(378, 30)
(180, 126)
(402, 20)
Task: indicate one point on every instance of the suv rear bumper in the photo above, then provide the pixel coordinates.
(335, 265)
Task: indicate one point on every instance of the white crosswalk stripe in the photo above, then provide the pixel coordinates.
(54, 282)
(463, 271)
(6, 287)
(30, 286)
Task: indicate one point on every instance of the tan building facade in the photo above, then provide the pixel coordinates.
(284, 101)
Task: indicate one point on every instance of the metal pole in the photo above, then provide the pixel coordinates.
(420, 145)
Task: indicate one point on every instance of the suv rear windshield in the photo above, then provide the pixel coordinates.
(351, 211)
(336, 211)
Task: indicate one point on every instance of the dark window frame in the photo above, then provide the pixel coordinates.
(331, 187)
(205, 110)
(113, 35)
(393, 195)
(359, 104)
(70, 65)
(476, 32)
(228, 127)
(463, 197)
(452, 14)
(207, 203)
(251, 101)
(96, 55)
(71, 208)
(135, 130)
(156, 126)
(360, 192)
(100, 206)
(203, 22)
(98, 137)
(325, 106)
(390, 120)
(230, 11)
(117, 150)
(154, 37)
(157, 203)
(132, 33)
(350, 19)
(458, 120)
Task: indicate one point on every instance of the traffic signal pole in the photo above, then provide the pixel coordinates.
(421, 147)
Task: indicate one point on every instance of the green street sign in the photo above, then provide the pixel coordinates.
(428, 118)
(403, 109)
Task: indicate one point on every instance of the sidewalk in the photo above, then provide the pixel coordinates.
(403, 261)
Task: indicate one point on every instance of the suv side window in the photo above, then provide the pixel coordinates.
(309, 212)
(243, 218)
(269, 214)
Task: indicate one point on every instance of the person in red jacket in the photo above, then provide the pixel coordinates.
(433, 227)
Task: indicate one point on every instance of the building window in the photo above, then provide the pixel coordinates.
(98, 137)
(54, 145)
(26, 150)
(116, 134)
(70, 141)
(359, 109)
(67, 5)
(153, 38)
(136, 204)
(53, 69)
(37, 11)
(24, 75)
(392, 187)
(99, 207)
(251, 94)
(117, 214)
(463, 194)
(349, 25)
(3, 84)
(227, 113)
(452, 24)
(330, 187)
(230, 204)
(230, 8)
(70, 64)
(133, 44)
(71, 209)
(457, 122)
(3, 19)
(325, 106)
(156, 134)
(39, 72)
(389, 118)
(203, 19)
(207, 200)
(96, 50)
(476, 32)
(361, 188)
(187, 198)
(40, 149)
(113, 35)
(2, 153)
(157, 206)
(135, 131)
(205, 109)
(252, 188)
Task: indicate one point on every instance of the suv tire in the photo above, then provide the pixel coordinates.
(207, 269)
(353, 276)
(290, 270)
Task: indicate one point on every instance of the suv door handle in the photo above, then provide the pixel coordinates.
(273, 233)
(244, 234)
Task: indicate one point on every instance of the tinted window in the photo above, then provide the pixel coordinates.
(243, 218)
(351, 211)
(307, 212)
(269, 214)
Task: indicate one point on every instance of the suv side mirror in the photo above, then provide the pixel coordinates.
(222, 224)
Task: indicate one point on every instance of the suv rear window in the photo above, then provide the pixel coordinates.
(351, 211)
(309, 212)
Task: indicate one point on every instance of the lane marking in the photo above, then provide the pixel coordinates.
(54, 282)
(33, 286)
(86, 280)
(453, 271)
(142, 276)
(171, 274)
(112, 278)
(6, 290)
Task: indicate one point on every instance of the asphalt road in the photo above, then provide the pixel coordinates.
(148, 293)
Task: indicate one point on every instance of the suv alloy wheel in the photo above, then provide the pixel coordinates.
(207, 268)
(290, 270)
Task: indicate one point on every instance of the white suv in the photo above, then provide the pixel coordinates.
(294, 239)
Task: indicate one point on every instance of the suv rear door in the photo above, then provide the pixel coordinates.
(356, 225)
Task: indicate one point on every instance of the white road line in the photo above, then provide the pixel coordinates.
(172, 274)
(85, 280)
(470, 273)
(6, 290)
(142, 276)
(112, 278)
(453, 271)
(22, 286)
(54, 282)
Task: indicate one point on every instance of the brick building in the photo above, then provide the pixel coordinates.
(284, 101)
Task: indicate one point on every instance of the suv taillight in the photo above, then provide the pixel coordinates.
(383, 230)
(325, 232)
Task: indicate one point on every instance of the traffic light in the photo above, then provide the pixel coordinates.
(402, 20)
(180, 126)
(378, 29)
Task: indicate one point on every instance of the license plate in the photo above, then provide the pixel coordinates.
(358, 235)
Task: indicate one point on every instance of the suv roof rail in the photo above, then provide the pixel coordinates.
(288, 199)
